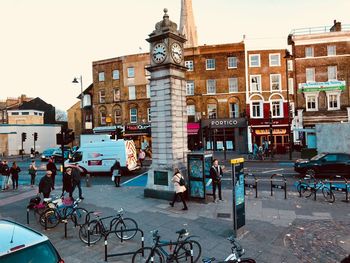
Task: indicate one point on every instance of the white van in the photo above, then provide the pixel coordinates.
(100, 156)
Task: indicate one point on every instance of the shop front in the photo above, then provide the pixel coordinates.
(140, 134)
(225, 134)
(280, 137)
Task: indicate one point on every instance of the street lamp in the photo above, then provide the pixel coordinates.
(76, 81)
(287, 57)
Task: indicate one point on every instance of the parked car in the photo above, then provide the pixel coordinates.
(19, 243)
(47, 154)
(57, 155)
(325, 164)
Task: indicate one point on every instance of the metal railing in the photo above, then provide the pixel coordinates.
(317, 30)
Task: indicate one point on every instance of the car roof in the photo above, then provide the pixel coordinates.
(15, 236)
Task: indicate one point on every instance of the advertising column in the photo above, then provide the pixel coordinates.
(238, 204)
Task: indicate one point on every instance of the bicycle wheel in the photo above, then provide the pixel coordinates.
(126, 223)
(146, 257)
(328, 194)
(78, 216)
(183, 253)
(49, 218)
(95, 232)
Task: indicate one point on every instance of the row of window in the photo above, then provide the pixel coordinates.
(118, 116)
(333, 101)
(116, 94)
(331, 51)
(274, 60)
(116, 74)
(25, 113)
(257, 109)
(212, 110)
(331, 72)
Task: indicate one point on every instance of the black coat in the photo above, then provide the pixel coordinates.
(67, 182)
(216, 174)
(45, 185)
(51, 167)
(15, 171)
(76, 174)
(5, 170)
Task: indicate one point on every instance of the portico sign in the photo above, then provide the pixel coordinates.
(225, 123)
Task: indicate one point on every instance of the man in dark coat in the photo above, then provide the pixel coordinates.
(68, 183)
(52, 167)
(5, 172)
(76, 176)
(216, 175)
(45, 185)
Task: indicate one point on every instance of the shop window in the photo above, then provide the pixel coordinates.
(212, 110)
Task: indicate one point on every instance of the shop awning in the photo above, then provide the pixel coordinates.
(192, 128)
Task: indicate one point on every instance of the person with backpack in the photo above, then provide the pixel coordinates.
(216, 175)
(32, 172)
(5, 172)
(14, 171)
(180, 188)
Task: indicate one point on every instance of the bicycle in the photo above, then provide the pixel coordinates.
(311, 185)
(58, 212)
(99, 229)
(182, 251)
(236, 253)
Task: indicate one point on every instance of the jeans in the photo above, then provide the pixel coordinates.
(79, 188)
(4, 182)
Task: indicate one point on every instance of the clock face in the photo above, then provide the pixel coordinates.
(159, 53)
(176, 52)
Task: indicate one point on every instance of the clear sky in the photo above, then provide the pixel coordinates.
(46, 43)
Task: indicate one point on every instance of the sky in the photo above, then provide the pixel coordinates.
(44, 44)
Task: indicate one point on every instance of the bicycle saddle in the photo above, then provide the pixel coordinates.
(182, 232)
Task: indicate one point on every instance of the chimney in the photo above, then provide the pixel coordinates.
(336, 26)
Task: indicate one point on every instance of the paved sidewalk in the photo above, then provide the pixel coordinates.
(277, 230)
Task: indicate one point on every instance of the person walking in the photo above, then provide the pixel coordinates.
(76, 179)
(45, 185)
(5, 172)
(32, 172)
(255, 151)
(115, 169)
(142, 156)
(179, 185)
(216, 175)
(51, 166)
(14, 171)
(68, 183)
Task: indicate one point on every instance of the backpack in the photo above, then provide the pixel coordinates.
(182, 181)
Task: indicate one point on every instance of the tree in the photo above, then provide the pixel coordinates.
(61, 115)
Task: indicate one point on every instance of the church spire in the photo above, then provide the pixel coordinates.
(187, 24)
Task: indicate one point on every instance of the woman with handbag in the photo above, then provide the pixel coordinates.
(179, 185)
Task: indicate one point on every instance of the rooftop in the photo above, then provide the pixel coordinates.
(336, 27)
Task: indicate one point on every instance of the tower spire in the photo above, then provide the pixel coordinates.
(187, 24)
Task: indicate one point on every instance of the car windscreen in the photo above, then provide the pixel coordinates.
(43, 252)
(318, 156)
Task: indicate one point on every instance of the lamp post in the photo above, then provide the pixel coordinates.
(287, 57)
(75, 81)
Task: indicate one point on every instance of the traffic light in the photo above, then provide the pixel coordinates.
(59, 138)
(119, 133)
(24, 136)
(68, 136)
(35, 136)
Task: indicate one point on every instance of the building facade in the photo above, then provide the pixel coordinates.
(321, 58)
(25, 117)
(269, 99)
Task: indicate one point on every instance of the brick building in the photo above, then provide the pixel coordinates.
(215, 96)
(267, 98)
(322, 74)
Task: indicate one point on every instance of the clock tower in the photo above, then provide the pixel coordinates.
(168, 108)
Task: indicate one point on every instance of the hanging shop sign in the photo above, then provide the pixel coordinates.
(322, 86)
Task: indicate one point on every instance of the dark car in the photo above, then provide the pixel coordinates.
(325, 164)
(57, 155)
(19, 243)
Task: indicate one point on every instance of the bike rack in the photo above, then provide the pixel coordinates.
(166, 244)
(279, 184)
(249, 184)
(340, 189)
(120, 231)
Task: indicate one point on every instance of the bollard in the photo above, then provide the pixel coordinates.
(285, 188)
(299, 187)
(315, 185)
(143, 244)
(88, 180)
(191, 246)
(122, 236)
(27, 216)
(105, 247)
(65, 228)
(88, 234)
